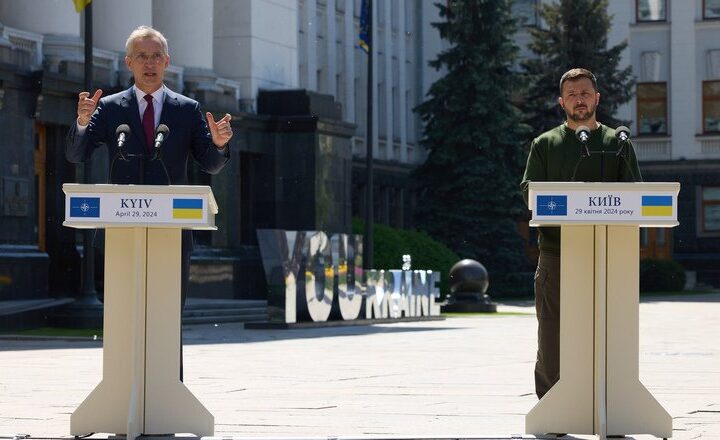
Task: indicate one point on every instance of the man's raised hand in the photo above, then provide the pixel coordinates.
(220, 131)
(86, 106)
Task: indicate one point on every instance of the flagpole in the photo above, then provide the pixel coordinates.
(89, 294)
(369, 196)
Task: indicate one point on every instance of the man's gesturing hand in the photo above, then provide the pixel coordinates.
(86, 106)
(220, 131)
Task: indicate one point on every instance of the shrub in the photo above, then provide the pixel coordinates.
(390, 244)
(661, 275)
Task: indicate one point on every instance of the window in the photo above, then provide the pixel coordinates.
(711, 9)
(711, 209)
(651, 10)
(711, 106)
(525, 11)
(652, 108)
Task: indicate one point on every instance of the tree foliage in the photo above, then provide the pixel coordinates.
(468, 185)
(391, 244)
(574, 33)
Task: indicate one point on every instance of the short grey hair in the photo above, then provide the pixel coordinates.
(145, 32)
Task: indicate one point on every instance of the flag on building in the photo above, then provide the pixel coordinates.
(80, 4)
(365, 26)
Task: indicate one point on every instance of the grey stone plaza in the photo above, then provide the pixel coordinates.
(464, 377)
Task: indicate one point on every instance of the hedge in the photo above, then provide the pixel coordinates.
(661, 276)
(390, 244)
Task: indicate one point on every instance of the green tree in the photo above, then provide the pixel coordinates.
(468, 185)
(574, 33)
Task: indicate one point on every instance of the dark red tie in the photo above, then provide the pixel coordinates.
(148, 122)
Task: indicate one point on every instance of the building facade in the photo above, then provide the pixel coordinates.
(674, 51)
(295, 80)
(290, 72)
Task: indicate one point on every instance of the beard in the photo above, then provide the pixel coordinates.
(581, 113)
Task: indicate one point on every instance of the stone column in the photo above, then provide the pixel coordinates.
(389, 83)
(43, 16)
(623, 14)
(112, 24)
(374, 85)
(113, 21)
(683, 86)
(311, 43)
(188, 26)
(402, 81)
(256, 44)
(351, 38)
(193, 49)
(331, 40)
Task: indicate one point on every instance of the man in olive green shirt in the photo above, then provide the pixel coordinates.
(555, 156)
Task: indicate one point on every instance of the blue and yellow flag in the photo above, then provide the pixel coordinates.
(365, 26)
(188, 208)
(80, 4)
(657, 206)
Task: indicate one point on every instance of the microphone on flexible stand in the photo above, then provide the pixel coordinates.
(161, 133)
(582, 133)
(122, 133)
(622, 133)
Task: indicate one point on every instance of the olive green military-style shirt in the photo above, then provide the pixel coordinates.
(554, 156)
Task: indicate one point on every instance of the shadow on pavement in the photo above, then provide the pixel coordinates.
(235, 333)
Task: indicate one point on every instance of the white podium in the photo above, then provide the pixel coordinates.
(141, 392)
(599, 391)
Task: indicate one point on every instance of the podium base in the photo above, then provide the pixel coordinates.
(106, 410)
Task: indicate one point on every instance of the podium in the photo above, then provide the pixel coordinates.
(599, 391)
(141, 392)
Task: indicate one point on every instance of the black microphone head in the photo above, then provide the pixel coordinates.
(622, 131)
(122, 128)
(162, 128)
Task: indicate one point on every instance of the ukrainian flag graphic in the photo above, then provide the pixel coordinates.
(188, 208)
(657, 206)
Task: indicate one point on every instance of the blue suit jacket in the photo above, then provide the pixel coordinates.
(189, 136)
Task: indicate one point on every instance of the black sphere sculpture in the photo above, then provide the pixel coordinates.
(469, 280)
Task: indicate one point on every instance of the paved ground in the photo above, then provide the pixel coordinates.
(462, 377)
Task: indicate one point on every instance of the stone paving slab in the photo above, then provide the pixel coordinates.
(467, 377)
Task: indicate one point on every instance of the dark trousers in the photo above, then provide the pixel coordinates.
(547, 306)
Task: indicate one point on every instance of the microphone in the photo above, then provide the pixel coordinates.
(160, 135)
(622, 133)
(582, 133)
(122, 133)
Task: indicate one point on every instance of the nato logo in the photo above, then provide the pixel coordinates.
(551, 205)
(85, 207)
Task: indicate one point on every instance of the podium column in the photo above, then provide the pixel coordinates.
(630, 406)
(599, 391)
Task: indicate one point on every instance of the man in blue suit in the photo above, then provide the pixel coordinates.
(97, 120)
(143, 107)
